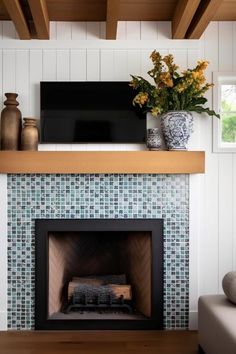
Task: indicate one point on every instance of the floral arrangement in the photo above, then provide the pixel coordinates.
(172, 91)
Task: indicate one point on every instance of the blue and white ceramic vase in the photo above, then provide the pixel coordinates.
(177, 127)
(153, 139)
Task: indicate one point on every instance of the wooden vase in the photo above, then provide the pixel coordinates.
(29, 135)
(10, 123)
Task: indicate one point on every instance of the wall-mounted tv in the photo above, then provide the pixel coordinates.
(90, 112)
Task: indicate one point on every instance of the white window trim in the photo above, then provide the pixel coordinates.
(218, 78)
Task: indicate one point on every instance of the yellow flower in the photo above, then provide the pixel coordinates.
(155, 111)
(166, 78)
(133, 84)
(141, 98)
(155, 56)
(202, 64)
(195, 74)
(180, 88)
(168, 60)
(171, 89)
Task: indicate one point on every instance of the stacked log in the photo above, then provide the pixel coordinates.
(114, 284)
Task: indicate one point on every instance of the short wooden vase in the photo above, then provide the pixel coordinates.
(29, 135)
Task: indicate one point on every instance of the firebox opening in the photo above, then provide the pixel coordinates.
(99, 275)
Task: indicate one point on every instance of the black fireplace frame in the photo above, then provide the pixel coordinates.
(44, 226)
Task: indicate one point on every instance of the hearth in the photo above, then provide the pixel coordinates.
(99, 274)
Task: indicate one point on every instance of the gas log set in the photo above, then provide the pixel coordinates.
(99, 292)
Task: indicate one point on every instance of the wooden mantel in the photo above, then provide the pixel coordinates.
(140, 162)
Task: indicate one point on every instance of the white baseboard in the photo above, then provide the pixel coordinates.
(3, 321)
(193, 320)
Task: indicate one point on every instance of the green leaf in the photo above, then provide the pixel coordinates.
(199, 100)
(200, 109)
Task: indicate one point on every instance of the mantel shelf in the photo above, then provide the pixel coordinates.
(124, 162)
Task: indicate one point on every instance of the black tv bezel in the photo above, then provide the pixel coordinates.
(42, 141)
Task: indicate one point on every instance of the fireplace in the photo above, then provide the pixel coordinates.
(122, 257)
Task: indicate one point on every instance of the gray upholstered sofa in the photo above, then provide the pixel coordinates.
(217, 325)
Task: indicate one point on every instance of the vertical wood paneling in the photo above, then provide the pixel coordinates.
(192, 58)
(234, 46)
(133, 30)
(149, 30)
(209, 230)
(225, 215)
(121, 65)
(234, 212)
(49, 68)
(208, 243)
(78, 66)
(107, 65)
(134, 63)
(164, 29)
(49, 74)
(194, 231)
(2, 97)
(195, 186)
(53, 30)
(1, 29)
(93, 30)
(146, 63)
(1, 79)
(64, 30)
(63, 65)
(93, 65)
(225, 46)
(49, 65)
(22, 80)
(8, 30)
(9, 70)
(35, 73)
(211, 53)
(121, 30)
(194, 143)
(181, 57)
(103, 30)
(78, 30)
(211, 38)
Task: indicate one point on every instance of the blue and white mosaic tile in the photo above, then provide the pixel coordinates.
(33, 197)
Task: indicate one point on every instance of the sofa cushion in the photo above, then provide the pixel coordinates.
(229, 286)
(217, 330)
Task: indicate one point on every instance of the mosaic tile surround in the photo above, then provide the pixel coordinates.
(97, 196)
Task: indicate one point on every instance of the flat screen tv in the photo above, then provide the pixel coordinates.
(90, 112)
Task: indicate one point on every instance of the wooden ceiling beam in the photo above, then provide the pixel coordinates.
(112, 18)
(205, 13)
(17, 16)
(40, 16)
(183, 16)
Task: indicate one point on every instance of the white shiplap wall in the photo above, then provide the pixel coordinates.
(78, 51)
(217, 242)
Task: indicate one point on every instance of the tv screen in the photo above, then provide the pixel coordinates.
(80, 112)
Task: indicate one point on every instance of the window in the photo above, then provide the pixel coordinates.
(225, 104)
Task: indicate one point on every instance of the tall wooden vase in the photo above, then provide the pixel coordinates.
(10, 123)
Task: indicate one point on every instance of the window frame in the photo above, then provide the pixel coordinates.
(221, 78)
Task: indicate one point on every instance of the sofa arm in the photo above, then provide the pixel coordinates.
(217, 325)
